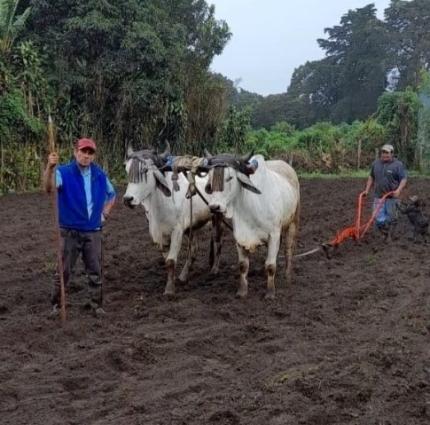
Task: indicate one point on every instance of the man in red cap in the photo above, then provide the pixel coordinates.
(85, 199)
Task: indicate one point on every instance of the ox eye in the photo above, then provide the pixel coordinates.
(229, 178)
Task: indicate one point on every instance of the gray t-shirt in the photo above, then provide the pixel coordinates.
(387, 176)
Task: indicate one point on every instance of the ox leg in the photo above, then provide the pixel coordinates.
(242, 291)
(217, 231)
(175, 246)
(270, 265)
(289, 247)
(191, 257)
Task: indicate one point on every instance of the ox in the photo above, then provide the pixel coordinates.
(167, 210)
(263, 200)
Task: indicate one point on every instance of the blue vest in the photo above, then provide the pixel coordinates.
(72, 202)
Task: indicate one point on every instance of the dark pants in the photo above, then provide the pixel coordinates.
(89, 245)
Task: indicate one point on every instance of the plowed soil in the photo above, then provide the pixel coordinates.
(347, 343)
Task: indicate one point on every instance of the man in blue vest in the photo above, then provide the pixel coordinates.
(388, 175)
(85, 199)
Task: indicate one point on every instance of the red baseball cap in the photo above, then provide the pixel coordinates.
(86, 143)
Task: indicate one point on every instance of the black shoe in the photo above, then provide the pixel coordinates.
(94, 308)
(384, 229)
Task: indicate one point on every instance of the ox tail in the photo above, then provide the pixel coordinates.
(290, 235)
(211, 251)
(297, 222)
(212, 243)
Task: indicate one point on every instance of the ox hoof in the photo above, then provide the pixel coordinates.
(270, 295)
(183, 279)
(169, 291)
(169, 295)
(241, 293)
(214, 271)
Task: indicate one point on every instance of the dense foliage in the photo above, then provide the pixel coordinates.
(123, 72)
(127, 71)
(137, 72)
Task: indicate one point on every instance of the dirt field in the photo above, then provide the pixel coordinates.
(347, 343)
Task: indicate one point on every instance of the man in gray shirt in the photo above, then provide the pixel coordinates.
(387, 174)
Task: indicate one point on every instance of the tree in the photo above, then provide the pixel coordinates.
(270, 110)
(233, 132)
(120, 70)
(357, 47)
(11, 24)
(423, 133)
(398, 112)
(408, 26)
(345, 85)
(312, 93)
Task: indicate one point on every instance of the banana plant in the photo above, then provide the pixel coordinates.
(10, 24)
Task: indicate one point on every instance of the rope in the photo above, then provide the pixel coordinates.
(207, 203)
(310, 252)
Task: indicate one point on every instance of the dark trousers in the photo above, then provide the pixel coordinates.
(89, 246)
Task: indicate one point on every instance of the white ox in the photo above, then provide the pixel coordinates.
(263, 207)
(167, 210)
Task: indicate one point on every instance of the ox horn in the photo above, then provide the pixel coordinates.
(247, 157)
(208, 155)
(166, 152)
(130, 151)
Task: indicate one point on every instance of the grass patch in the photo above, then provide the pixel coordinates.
(360, 174)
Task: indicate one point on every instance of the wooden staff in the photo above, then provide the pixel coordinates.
(54, 200)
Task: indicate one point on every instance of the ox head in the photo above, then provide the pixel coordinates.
(143, 176)
(228, 175)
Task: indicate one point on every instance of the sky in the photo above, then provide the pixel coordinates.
(270, 38)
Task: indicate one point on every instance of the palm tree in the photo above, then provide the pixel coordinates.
(10, 24)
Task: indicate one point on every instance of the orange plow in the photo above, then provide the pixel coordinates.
(358, 230)
(355, 232)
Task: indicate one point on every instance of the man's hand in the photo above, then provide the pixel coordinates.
(396, 193)
(365, 192)
(53, 159)
(48, 175)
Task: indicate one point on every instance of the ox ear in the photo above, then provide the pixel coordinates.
(161, 183)
(130, 151)
(246, 182)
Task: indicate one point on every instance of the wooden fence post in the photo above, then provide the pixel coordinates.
(359, 154)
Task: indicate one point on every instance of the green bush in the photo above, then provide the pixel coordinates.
(15, 123)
